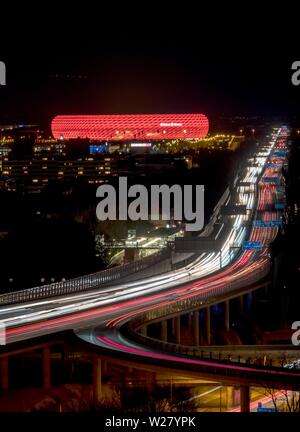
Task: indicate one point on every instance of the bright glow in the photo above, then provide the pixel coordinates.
(125, 127)
(140, 145)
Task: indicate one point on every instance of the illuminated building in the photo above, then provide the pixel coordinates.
(130, 127)
(35, 174)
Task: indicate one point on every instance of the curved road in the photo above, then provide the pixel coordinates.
(108, 308)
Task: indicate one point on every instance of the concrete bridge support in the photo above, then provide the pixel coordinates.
(245, 398)
(97, 379)
(164, 330)
(241, 305)
(207, 325)
(196, 329)
(46, 367)
(177, 329)
(227, 315)
(249, 300)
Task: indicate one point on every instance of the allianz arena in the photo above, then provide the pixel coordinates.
(130, 127)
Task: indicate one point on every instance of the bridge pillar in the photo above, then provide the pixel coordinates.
(227, 315)
(249, 303)
(177, 329)
(46, 367)
(241, 305)
(190, 320)
(97, 380)
(196, 328)
(173, 329)
(4, 372)
(245, 398)
(207, 324)
(164, 330)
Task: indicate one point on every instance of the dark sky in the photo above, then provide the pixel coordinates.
(140, 64)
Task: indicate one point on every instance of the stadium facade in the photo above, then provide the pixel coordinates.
(130, 127)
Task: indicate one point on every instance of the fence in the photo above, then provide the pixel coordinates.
(83, 283)
(203, 299)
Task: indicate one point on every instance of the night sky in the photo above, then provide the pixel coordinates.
(107, 64)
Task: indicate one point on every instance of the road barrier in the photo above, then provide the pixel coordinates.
(83, 283)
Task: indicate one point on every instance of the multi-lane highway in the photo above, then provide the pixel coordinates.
(248, 268)
(211, 274)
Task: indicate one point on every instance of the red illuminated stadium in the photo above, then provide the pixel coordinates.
(128, 127)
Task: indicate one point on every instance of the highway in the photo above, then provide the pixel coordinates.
(33, 312)
(242, 271)
(103, 311)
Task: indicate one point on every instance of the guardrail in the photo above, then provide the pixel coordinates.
(204, 352)
(83, 283)
(201, 300)
(130, 330)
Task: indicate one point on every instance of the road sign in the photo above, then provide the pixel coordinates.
(270, 179)
(279, 206)
(267, 224)
(251, 245)
(275, 165)
(260, 408)
(281, 150)
(266, 410)
(280, 153)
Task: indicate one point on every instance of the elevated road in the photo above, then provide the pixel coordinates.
(211, 276)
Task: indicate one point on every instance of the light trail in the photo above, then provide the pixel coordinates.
(110, 307)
